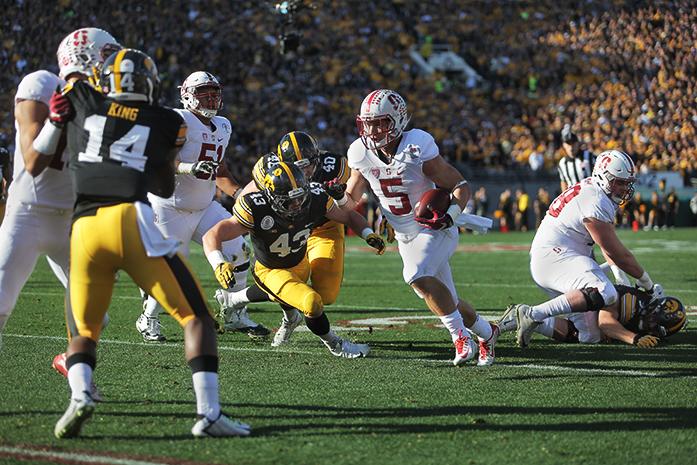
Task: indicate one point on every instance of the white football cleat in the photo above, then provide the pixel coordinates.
(150, 328)
(78, 412)
(347, 349)
(286, 329)
(234, 317)
(219, 428)
(526, 325)
(486, 347)
(508, 321)
(465, 349)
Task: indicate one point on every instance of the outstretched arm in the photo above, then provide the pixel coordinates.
(224, 230)
(355, 188)
(359, 225)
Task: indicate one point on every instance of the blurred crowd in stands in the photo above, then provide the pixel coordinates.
(622, 73)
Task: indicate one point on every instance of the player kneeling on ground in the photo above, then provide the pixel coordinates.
(122, 146)
(280, 220)
(561, 261)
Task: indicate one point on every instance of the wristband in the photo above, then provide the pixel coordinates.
(645, 281)
(215, 258)
(366, 232)
(46, 142)
(184, 168)
(342, 201)
(454, 211)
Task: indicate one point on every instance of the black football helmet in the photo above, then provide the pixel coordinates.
(261, 167)
(287, 189)
(301, 149)
(130, 75)
(669, 314)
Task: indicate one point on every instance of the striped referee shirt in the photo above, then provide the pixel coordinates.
(573, 170)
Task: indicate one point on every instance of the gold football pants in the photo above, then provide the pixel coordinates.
(325, 252)
(110, 240)
(289, 286)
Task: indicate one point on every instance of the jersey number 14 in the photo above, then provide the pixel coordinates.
(129, 149)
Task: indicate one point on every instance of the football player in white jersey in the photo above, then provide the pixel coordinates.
(561, 261)
(191, 211)
(40, 199)
(399, 167)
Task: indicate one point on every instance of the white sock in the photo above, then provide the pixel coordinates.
(546, 328)
(557, 306)
(240, 282)
(151, 308)
(454, 324)
(331, 339)
(481, 328)
(206, 390)
(80, 380)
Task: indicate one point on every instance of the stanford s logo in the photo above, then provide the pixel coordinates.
(605, 161)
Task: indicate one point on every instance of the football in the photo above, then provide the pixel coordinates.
(433, 200)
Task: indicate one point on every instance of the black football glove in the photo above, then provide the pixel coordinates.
(335, 189)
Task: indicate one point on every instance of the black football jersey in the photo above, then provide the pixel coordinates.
(278, 242)
(632, 305)
(115, 145)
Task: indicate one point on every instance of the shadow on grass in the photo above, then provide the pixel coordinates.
(400, 420)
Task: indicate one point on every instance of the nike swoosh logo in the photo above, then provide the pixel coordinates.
(221, 139)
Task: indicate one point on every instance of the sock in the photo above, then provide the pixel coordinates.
(557, 306)
(240, 281)
(255, 294)
(481, 328)
(151, 309)
(454, 324)
(330, 339)
(80, 379)
(546, 328)
(206, 390)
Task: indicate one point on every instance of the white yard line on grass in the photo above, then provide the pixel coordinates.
(70, 457)
(308, 352)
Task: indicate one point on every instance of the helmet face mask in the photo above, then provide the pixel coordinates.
(382, 119)
(614, 173)
(201, 93)
(130, 75)
(285, 186)
(84, 50)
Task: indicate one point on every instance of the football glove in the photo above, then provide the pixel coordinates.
(645, 341)
(386, 229)
(657, 292)
(60, 109)
(439, 222)
(376, 242)
(204, 169)
(225, 274)
(335, 188)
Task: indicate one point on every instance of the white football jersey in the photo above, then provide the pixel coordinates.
(400, 184)
(52, 188)
(563, 225)
(202, 143)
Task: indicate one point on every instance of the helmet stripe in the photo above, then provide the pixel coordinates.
(117, 70)
(296, 147)
(290, 174)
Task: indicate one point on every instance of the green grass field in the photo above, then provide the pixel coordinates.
(405, 404)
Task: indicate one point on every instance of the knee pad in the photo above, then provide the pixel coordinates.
(312, 305)
(594, 299)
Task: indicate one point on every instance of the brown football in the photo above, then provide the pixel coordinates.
(433, 200)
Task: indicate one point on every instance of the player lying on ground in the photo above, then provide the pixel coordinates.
(636, 318)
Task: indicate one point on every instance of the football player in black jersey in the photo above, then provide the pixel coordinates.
(325, 246)
(280, 220)
(121, 146)
(636, 319)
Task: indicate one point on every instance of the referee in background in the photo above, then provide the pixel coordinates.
(577, 163)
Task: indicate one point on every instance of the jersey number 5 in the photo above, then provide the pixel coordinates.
(129, 149)
(404, 206)
(565, 197)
